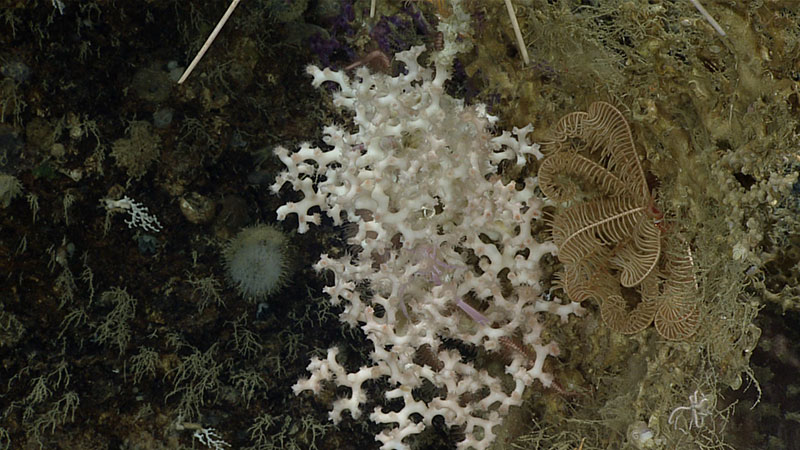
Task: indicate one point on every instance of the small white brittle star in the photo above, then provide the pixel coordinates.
(699, 407)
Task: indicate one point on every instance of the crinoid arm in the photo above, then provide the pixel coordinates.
(621, 319)
(610, 221)
(563, 175)
(601, 134)
(637, 259)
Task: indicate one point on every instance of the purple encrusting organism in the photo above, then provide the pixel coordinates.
(399, 32)
(420, 23)
(391, 34)
(333, 46)
(388, 34)
(344, 19)
(323, 48)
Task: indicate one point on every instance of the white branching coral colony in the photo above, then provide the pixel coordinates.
(419, 181)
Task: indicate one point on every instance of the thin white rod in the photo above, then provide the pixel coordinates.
(210, 39)
(708, 17)
(517, 32)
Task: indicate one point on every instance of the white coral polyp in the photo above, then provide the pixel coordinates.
(418, 178)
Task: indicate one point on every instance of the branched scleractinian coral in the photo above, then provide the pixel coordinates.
(419, 181)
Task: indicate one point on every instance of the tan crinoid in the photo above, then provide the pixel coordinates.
(609, 237)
